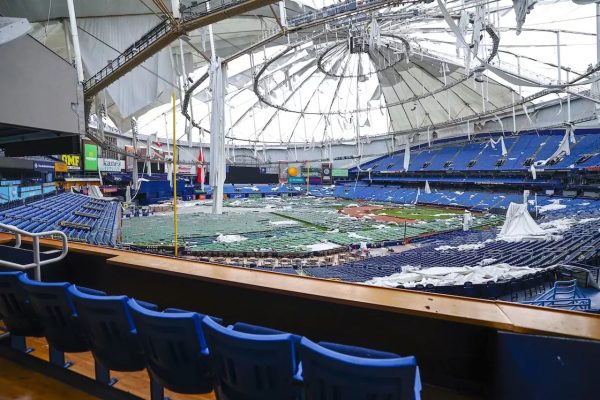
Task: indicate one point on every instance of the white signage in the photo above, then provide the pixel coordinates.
(186, 169)
(107, 164)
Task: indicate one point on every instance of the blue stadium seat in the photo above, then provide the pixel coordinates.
(110, 330)
(175, 348)
(15, 308)
(53, 305)
(251, 366)
(357, 374)
(16, 311)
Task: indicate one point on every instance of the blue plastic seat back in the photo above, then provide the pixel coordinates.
(174, 348)
(109, 327)
(15, 309)
(332, 375)
(53, 305)
(251, 366)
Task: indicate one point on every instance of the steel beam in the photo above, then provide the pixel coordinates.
(172, 34)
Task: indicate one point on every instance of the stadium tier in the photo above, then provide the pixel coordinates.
(80, 217)
(485, 153)
(299, 200)
(577, 243)
(475, 200)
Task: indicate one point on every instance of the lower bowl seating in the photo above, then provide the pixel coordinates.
(188, 352)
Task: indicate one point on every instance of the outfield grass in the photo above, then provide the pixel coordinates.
(421, 213)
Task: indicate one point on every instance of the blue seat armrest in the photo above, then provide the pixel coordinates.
(90, 291)
(357, 351)
(174, 310)
(179, 310)
(261, 330)
(149, 306)
(255, 329)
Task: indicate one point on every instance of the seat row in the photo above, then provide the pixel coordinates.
(70, 213)
(479, 155)
(188, 352)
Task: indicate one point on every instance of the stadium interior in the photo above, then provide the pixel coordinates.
(299, 199)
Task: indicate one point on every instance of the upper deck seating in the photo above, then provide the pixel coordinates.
(480, 155)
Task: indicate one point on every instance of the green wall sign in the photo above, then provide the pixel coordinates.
(342, 173)
(90, 157)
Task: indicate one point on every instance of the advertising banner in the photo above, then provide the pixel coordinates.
(326, 178)
(296, 180)
(43, 166)
(129, 160)
(73, 161)
(90, 157)
(339, 173)
(60, 167)
(110, 165)
(186, 169)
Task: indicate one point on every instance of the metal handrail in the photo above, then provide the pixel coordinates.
(37, 263)
(571, 304)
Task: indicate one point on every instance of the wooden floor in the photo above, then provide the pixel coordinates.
(19, 383)
(136, 383)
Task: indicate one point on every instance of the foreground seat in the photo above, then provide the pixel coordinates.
(110, 330)
(174, 347)
(53, 305)
(332, 372)
(251, 366)
(111, 334)
(16, 311)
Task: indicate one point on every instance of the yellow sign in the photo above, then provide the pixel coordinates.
(72, 160)
(60, 167)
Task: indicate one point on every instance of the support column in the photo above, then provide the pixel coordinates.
(514, 115)
(568, 101)
(175, 9)
(149, 154)
(559, 78)
(218, 82)
(75, 37)
(184, 74)
(98, 106)
(597, 32)
(519, 72)
(213, 55)
(134, 171)
(283, 14)
(67, 41)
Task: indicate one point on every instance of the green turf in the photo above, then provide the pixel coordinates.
(419, 213)
(316, 221)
